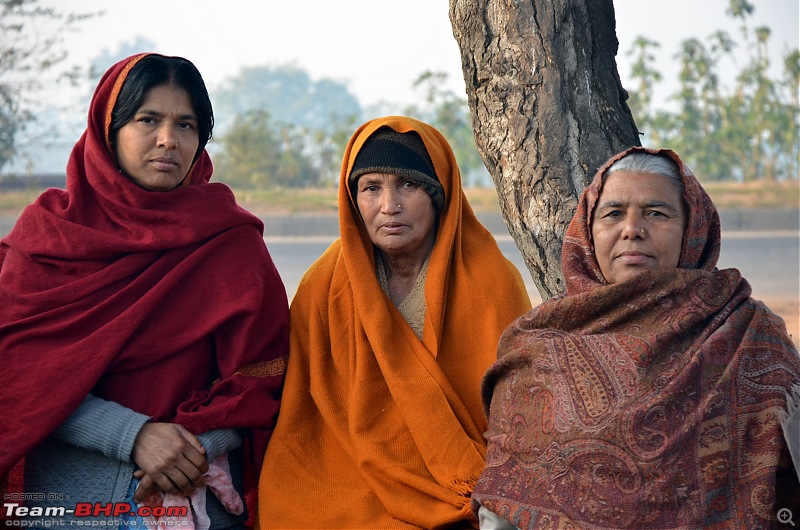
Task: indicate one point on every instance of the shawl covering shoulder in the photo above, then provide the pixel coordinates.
(380, 429)
(165, 302)
(651, 403)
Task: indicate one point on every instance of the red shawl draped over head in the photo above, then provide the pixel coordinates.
(165, 302)
(654, 402)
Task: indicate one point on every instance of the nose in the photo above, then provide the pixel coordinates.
(633, 227)
(390, 203)
(167, 137)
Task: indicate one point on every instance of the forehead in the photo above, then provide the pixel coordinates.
(379, 177)
(169, 95)
(630, 185)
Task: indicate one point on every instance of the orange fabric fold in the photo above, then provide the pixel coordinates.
(379, 429)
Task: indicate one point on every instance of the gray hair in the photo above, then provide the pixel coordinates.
(644, 162)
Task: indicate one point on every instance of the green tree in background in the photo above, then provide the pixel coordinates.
(641, 99)
(302, 141)
(748, 132)
(698, 122)
(328, 148)
(28, 55)
(12, 119)
(789, 133)
(450, 114)
(745, 129)
(258, 154)
(316, 117)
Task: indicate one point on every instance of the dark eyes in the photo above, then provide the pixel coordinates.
(611, 214)
(616, 214)
(149, 120)
(405, 185)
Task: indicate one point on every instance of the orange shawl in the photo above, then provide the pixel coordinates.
(378, 429)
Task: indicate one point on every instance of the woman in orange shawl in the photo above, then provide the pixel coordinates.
(381, 424)
(143, 324)
(652, 394)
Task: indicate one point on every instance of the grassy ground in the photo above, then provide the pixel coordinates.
(726, 195)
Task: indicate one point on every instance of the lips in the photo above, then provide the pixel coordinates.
(164, 164)
(393, 228)
(633, 258)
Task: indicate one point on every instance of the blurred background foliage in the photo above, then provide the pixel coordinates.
(277, 127)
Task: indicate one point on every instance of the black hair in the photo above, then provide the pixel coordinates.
(154, 70)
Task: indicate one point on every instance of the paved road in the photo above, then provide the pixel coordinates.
(769, 261)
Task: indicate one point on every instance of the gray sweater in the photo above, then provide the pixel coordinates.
(88, 459)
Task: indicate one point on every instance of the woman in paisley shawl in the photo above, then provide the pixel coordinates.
(654, 392)
(381, 424)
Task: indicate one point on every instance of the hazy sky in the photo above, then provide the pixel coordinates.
(377, 47)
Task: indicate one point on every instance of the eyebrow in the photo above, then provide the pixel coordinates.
(648, 204)
(157, 114)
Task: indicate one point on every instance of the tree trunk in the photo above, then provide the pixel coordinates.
(547, 110)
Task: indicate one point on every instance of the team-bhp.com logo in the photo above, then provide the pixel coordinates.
(19, 515)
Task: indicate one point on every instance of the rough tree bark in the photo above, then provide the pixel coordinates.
(547, 109)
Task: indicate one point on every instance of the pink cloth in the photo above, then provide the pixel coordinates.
(218, 478)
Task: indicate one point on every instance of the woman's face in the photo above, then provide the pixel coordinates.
(157, 147)
(398, 214)
(638, 224)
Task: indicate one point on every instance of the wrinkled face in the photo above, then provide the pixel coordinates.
(398, 214)
(157, 147)
(638, 224)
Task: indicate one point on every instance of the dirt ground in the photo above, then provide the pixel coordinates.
(789, 309)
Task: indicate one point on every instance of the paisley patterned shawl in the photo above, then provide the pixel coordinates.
(650, 403)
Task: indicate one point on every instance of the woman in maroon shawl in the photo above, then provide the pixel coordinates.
(653, 392)
(143, 324)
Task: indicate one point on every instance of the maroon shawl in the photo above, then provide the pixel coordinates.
(165, 302)
(650, 403)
